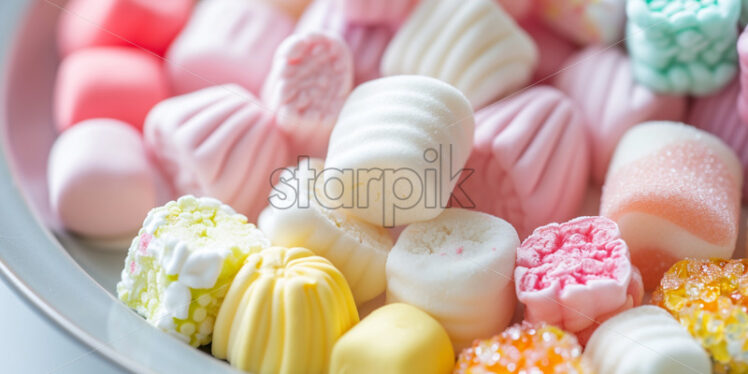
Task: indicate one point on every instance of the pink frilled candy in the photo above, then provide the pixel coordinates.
(553, 50)
(600, 81)
(147, 24)
(391, 12)
(101, 183)
(218, 142)
(576, 274)
(227, 41)
(716, 114)
(743, 59)
(108, 82)
(366, 42)
(311, 78)
(530, 160)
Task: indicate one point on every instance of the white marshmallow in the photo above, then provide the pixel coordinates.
(396, 147)
(645, 340)
(473, 45)
(457, 268)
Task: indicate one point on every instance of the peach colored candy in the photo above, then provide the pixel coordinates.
(717, 115)
(218, 142)
(311, 78)
(554, 50)
(600, 81)
(518, 9)
(100, 181)
(376, 12)
(227, 41)
(147, 24)
(530, 160)
(366, 42)
(674, 191)
(108, 82)
(576, 274)
(743, 63)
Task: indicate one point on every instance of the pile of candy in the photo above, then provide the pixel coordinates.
(415, 169)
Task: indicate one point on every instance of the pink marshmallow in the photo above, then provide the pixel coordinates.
(717, 115)
(600, 82)
(377, 12)
(575, 274)
(227, 41)
(108, 82)
(147, 24)
(101, 183)
(743, 62)
(366, 42)
(218, 142)
(530, 160)
(311, 78)
(554, 51)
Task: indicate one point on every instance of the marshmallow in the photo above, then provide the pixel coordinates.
(553, 50)
(474, 46)
(299, 217)
(530, 160)
(311, 77)
(100, 181)
(108, 82)
(391, 12)
(675, 192)
(600, 82)
(586, 21)
(742, 100)
(395, 148)
(518, 9)
(645, 340)
(683, 47)
(218, 142)
(366, 42)
(285, 310)
(576, 274)
(457, 268)
(227, 41)
(179, 267)
(394, 339)
(716, 114)
(294, 8)
(151, 25)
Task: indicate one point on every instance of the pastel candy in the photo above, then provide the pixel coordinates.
(395, 339)
(742, 100)
(180, 265)
(311, 78)
(366, 42)
(674, 191)
(108, 82)
(553, 50)
(474, 46)
(376, 12)
(530, 160)
(458, 269)
(227, 41)
(576, 274)
(300, 217)
(585, 21)
(294, 8)
(683, 47)
(518, 9)
(218, 142)
(645, 340)
(716, 114)
(285, 310)
(100, 182)
(600, 82)
(150, 25)
(394, 130)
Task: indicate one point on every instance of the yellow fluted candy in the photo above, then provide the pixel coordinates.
(283, 313)
(394, 339)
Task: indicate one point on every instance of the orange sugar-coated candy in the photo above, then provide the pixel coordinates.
(524, 348)
(710, 298)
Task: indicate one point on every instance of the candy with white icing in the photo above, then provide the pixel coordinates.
(218, 142)
(311, 77)
(101, 183)
(457, 268)
(179, 267)
(645, 340)
(396, 147)
(472, 45)
(299, 216)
